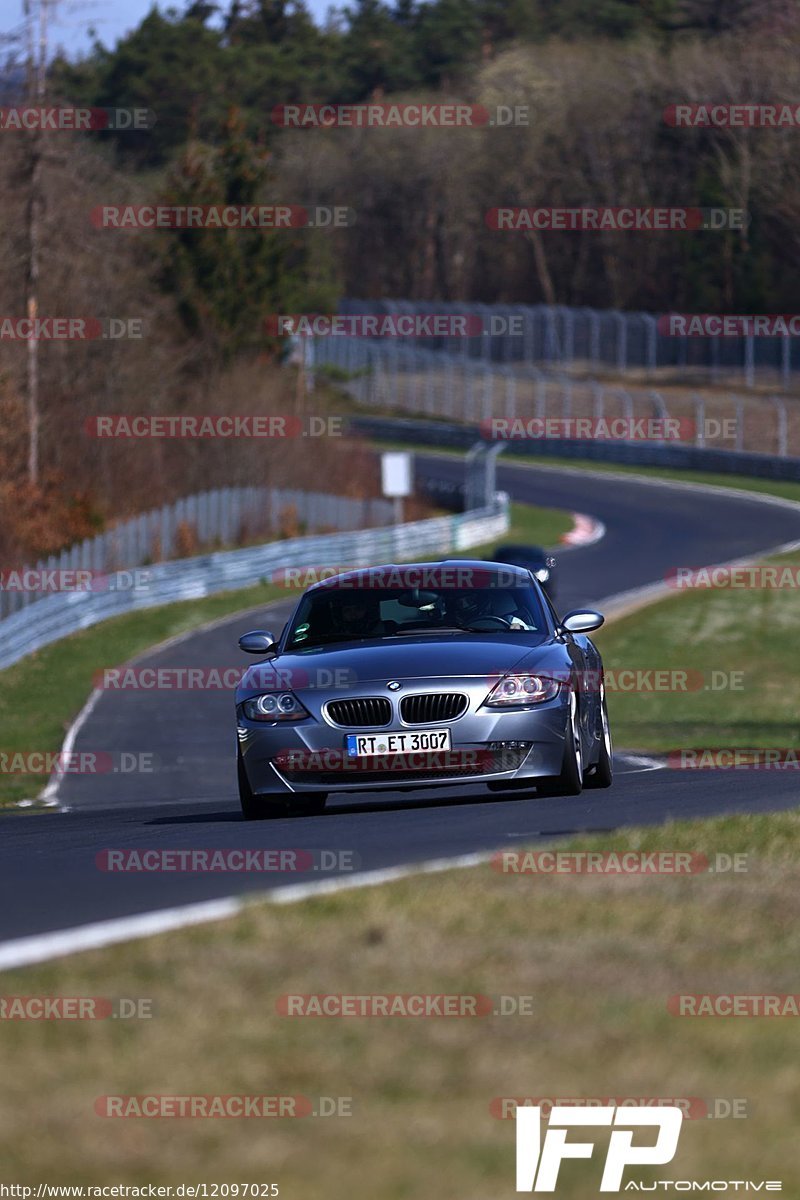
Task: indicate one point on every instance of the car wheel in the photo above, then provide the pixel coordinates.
(602, 776)
(569, 782)
(257, 807)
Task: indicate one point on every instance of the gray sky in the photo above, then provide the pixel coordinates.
(111, 18)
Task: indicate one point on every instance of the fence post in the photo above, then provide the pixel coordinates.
(551, 346)
(594, 336)
(699, 421)
(431, 376)
(511, 394)
(749, 360)
(783, 431)
(651, 348)
(541, 398)
(622, 340)
(660, 407)
(598, 402)
(528, 340)
(488, 394)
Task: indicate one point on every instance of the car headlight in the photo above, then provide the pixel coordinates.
(542, 574)
(274, 706)
(522, 689)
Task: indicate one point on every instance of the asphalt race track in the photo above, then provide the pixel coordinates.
(48, 861)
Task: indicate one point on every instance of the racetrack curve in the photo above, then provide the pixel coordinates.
(51, 879)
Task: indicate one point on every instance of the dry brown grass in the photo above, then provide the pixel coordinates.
(599, 956)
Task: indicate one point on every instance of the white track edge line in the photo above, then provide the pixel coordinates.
(38, 948)
(41, 947)
(48, 797)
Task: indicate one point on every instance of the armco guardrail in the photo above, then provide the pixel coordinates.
(59, 615)
(674, 456)
(228, 516)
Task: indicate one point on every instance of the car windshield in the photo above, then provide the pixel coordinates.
(342, 614)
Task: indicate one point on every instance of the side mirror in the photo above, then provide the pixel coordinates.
(582, 620)
(257, 642)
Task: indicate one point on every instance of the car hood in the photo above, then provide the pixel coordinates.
(405, 658)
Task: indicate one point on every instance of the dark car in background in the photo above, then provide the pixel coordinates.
(534, 559)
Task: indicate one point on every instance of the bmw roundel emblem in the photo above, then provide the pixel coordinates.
(393, 686)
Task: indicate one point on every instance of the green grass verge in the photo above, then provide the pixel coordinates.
(599, 956)
(529, 526)
(40, 695)
(743, 688)
(786, 489)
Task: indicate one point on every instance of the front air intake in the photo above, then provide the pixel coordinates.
(361, 712)
(432, 707)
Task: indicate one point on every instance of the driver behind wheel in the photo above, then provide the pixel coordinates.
(474, 605)
(503, 605)
(357, 615)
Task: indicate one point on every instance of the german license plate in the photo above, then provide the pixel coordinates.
(359, 745)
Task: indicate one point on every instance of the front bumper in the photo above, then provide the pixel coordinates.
(487, 744)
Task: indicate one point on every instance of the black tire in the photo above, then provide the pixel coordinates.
(261, 807)
(602, 776)
(569, 781)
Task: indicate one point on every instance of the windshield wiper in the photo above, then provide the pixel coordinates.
(433, 629)
(330, 640)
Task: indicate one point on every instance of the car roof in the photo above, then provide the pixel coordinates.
(396, 569)
(519, 548)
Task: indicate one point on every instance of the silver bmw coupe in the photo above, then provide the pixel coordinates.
(421, 675)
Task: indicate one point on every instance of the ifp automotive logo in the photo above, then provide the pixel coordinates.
(538, 1164)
